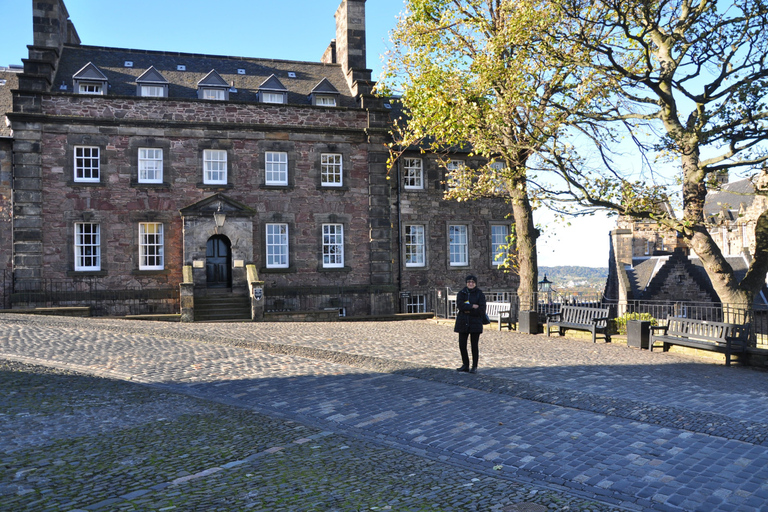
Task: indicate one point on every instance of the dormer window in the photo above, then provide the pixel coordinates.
(324, 94)
(213, 87)
(151, 84)
(90, 80)
(273, 91)
(90, 88)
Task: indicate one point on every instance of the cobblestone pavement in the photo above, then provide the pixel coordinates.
(367, 416)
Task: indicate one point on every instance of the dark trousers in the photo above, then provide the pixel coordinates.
(475, 339)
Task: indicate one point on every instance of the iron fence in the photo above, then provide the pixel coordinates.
(88, 292)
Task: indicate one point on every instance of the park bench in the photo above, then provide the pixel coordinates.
(594, 320)
(500, 312)
(702, 334)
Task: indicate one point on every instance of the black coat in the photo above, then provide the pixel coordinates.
(467, 318)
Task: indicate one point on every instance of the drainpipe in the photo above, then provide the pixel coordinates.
(399, 243)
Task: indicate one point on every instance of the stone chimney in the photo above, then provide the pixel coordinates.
(349, 46)
(52, 29)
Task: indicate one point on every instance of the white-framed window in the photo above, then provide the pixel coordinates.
(87, 246)
(414, 246)
(499, 243)
(417, 303)
(277, 245)
(91, 88)
(272, 97)
(214, 94)
(325, 100)
(413, 173)
(153, 91)
(333, 245)
(87, 164)
(214, 166)
(151, 246)
(150, 165)
(458, 245)
(276, 168)
(330, 169)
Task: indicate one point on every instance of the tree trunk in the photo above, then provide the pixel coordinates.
(526, 245)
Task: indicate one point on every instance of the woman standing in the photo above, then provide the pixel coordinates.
(470, 303)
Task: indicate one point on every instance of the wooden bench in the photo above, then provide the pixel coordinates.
(702, 334)
(500, 312)
(594, 320)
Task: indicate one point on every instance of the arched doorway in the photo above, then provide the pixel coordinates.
(218, 262)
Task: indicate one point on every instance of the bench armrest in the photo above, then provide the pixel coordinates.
(595, 320)
(552, 316)
(663, 328)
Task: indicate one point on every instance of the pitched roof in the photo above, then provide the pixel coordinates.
(212, 79)
(730, 198)
(325, 87)
(90, 72)
(152, 76)
(248, 74)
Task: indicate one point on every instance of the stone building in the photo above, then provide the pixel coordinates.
(162, 181)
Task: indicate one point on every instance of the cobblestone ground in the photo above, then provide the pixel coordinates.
(298, 416)
(76, 442)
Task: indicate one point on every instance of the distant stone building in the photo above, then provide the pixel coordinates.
(159, 180)
(648, 262)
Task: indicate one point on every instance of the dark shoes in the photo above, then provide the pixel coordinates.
(473, 370)
(464, 368)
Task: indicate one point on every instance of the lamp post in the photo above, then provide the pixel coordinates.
(545, 286)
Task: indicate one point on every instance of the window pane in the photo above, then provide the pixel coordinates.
(414, 246)
(417, 303)
(87, 246)
(150, 165)
(333, 245)
(330, 169)
(152, 91)
(412, 173)
(277, 245)
(276, 168)
(151, 246)
(458, 249)
(215, 166)
(272, 97)
(86, 163)
(213, 94)
(499, 243)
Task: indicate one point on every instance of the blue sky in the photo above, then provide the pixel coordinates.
(289, 30)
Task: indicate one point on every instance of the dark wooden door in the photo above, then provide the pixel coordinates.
(217, 258)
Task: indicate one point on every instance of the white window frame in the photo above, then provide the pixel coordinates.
(214, 94)
(415, 245)
(152, 91)
(150, 163)
(458, 245)
(499, 243)
(331, 171)
(325, 100)
(413, 173)
(272, 97)
(93, 88)
(333, 245)
(87, 246)
(417, 303)
(276, 168)
(151, 246)
(214, 167)
(277, 245)
(87, 161)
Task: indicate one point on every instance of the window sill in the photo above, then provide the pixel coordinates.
(321, 268)
(86, 273)
(278, 270)
(264, 186)
(139, 184)
(73, 183)
(139, 272)
(342, 188)
(215, 186)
